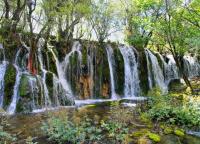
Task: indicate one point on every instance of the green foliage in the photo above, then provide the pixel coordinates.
(63, 130)
(5, 137)
(173, 109)
(116, 131)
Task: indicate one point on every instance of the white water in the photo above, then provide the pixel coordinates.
(47, 100)
(90, 66)
(170, 69)
(62, 67)
(56, 90)
(192, 66)
(12, 107)
(155, 73)
(3, 66)
(111, 63)
(61, 76)
(150, 81)
(33, 85)
(132, 81)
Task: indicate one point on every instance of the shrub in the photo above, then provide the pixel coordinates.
(173, 109)
(63, 131)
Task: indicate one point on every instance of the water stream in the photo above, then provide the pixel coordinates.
(111, 63)
(131, 76)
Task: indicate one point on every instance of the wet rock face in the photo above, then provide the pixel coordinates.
(143, 72)
(9, 81)
(86, 85)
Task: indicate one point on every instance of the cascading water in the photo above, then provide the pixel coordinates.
(171, 72)
(12, 107)
(62, 67)
(155, 73)
(170, 68)
(111, 63)
(33, 86)
(3, 66)
(91, 70)
(86, 77)
(56, 90)
(132, 81)
(191, 66)
(44, 73)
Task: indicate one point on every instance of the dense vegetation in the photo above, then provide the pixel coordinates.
(166, 26)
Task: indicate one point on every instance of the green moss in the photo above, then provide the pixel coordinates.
(91, 106)
(154, 137)
(168, 130)
(52, 62)
(49, 82)
(119, 71)
(24, 86)
(10, 77)
(143, 75)
(179, 132)
(140, 133)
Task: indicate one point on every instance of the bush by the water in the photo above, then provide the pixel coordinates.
(174, 109)
(64, 130)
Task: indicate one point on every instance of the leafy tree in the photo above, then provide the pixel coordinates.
(141, 15)
(103, 19)
(175, 33)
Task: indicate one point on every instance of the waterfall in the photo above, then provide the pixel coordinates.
(62, 67)
(150, 75)
(61, 75)
(155, 73)
(91, 70)
(171, 72)
(3, 66)
(170, 69)
(111, 63)
(56, 90)
(191, 66)
(44, 73)
(12, 107)
(132, 81)
(33, 86)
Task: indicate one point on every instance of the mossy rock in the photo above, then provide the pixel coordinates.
(49, 83)
(154, 137)
(9, 81)
(140, 133)
(143, 75)
(179, 132)
(25, 103)
(52, 63)
(168, 130)
(24, 88)
(119, 71)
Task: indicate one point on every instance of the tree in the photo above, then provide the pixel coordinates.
(175, 33)
(141, 15)
(103, 19)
